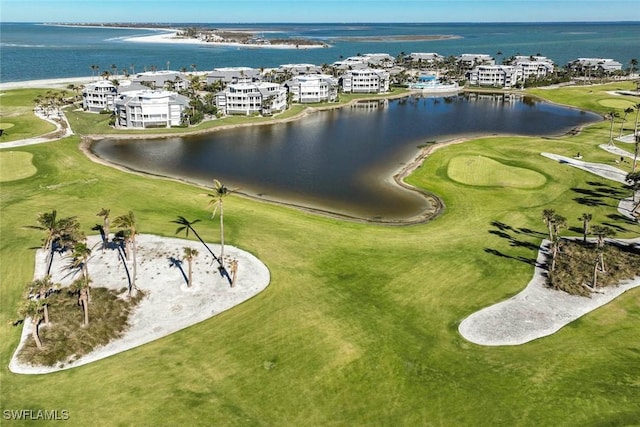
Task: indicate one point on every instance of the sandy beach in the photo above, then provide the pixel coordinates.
(171, 36)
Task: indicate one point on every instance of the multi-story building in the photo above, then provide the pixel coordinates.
(503, 76)
(150, 109)
(533, 66)
(233, 75)
(365, 80)
(252, 98)
(162, 79)
(313, 88)
(594, 66)
(99, 96)
(468, 61)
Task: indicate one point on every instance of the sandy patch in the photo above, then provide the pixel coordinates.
(169, 305)
(537, 311)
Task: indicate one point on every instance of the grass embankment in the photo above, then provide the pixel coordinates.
(359, 323)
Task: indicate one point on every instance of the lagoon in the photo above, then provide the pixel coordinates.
(340, 161)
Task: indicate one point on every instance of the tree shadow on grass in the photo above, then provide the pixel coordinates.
(501, 232)
(598, 194)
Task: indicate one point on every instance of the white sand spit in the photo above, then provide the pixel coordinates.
(169, 305)
(537, 311)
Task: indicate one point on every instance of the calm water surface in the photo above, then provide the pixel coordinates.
(340, 160)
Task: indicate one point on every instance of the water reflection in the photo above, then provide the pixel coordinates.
(341, 160)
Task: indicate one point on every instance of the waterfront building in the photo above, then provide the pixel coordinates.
(298, 69)
(150, 109)
(351, 63)
(420, 58)
(533, 66)
(234, 75)
(383, 60)
(313, 88)
(366, 80)
(468, 61)
(162, 79)
(252, 98)
(595, 66)
(503, 76)
(99, 96)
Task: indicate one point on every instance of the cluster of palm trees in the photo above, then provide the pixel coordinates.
(63, 235)
(555, 222)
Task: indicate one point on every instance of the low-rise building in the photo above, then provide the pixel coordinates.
(365, 80)
(99, 96)
(150, 109)
(533, 66)
(503, 76)
(233, 75)
(162, 79)
(423, 58)
(313, 88)
(468, 61)
(252, 98)
(594, 66)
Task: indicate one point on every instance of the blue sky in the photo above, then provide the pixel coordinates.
(250, 11)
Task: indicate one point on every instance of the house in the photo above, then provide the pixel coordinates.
(383, 60)
(252, 98)
(162, 79)
(233, 75)
(313, 88)
(503, 76)
(351, 63)
(99, 96)
(150, 109)
(365, 80)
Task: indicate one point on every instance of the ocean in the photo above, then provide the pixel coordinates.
(31, 51)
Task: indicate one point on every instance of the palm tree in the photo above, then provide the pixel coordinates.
(626, 111)
(60, 233)
(189, 255)
(80, 287)
(633, 63)
(94, 69)
(612, 116)
(104, 213)
(128, 223)
(633, 178)
(32, 309)
(601, 232)
(187, 226)
(217, 197)
(547, 218)
(40, 289)
(585, 218)
(558, 222)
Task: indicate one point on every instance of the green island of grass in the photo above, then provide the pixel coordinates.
(483, 171)
(359, 323)
(15, 165)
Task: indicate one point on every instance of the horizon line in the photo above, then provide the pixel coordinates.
(320, 23)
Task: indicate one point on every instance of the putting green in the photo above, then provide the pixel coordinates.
(6, 125)
(618, 104)
(15, 165)
(485, 172)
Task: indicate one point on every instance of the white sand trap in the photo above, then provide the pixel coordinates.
(537, 311)
(169, 305)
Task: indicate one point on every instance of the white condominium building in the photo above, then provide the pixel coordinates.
(150, 109)
(313, 88)
(252, 98)
(504, 76)
(533, 66)
(99, 96)
(365, 81)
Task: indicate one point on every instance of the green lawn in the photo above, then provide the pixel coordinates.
(359, 323)
(15, 165)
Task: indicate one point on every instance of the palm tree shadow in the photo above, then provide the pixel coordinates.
(175, 262)
(517, 258)
(501, 232)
